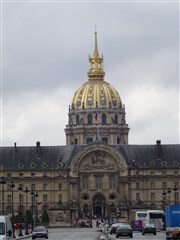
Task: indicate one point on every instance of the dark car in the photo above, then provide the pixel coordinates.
(40, 232)
(149, 228)
(114, 227)
(137, 225)
(124, 230)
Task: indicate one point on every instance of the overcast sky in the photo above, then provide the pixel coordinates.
(44, 53)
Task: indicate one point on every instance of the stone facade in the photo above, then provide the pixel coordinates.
(97, 173)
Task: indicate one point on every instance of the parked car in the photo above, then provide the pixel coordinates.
(149, 228)
(137, 225)
(124, 230)
(40, 232)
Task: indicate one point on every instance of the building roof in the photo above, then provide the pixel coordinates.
(51, 157)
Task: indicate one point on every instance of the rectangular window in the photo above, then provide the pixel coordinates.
(21, 175)
(45, 187)
(137, 185)
(152, 197)
(85, 182)
(104, 140)
(175, 173)
(8, 199)
(8, 175)
(177, 197)
(33, 175)
(45, 198)
(152, 173)
(176, 184)
(44, 174)
(164, 185)
(89, 140)
(137, 196)
(152, 185)
(164, 173)
(98, 182)
(33, 187)
(112, 182)
(60, 197)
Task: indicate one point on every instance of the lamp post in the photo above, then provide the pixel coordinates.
(164, 199)
(32, 209)
(169, 198)
(36, 208)
(26, 192)
(12, 186)
(2, 182)
(20, 210)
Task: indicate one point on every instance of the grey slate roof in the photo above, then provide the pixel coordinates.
(141, 156)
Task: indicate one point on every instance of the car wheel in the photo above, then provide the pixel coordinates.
(143, 233)
(154, 233)
(117, 236)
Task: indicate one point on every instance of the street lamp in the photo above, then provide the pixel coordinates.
(169, 192)
(12, 186)
(20, 210)
(26, 191)
(2, 182)
(164, 199)
(36, 208)
(32, 209)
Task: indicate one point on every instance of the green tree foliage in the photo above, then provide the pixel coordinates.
(45, 217)
(28, 217)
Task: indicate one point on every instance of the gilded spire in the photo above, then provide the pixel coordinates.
(96, 71)
(95, 44)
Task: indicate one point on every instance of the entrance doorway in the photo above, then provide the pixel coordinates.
(99, 206)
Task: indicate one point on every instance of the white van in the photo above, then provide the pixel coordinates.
(6, 230)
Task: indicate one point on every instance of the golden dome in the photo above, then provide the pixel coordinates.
(96, 93)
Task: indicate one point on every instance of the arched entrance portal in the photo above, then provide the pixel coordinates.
(99, 206)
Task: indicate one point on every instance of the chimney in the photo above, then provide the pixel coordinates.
(38, 149)
(158, 149)
(15, 148)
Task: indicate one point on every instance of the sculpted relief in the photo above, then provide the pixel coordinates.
(99, 159)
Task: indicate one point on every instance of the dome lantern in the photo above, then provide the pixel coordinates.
(96, 71)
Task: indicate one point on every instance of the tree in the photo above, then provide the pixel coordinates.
(45, 217)
(28, 217)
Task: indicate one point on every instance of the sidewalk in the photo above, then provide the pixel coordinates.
(22, 237)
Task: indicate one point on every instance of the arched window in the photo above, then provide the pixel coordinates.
(103, 119)
(77, 119)
(116, 119)
(89, 119)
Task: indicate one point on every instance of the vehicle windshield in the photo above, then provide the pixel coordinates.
(39, 229)
(2, 229)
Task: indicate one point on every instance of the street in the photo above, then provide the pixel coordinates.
(92, 234)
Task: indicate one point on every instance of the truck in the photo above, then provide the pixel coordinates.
(6, 230)
(172, 217)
